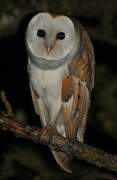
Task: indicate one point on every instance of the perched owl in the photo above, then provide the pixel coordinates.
(61, 75)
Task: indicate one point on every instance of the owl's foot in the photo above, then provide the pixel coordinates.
(49, 130)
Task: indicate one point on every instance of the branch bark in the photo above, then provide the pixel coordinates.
(48, 136)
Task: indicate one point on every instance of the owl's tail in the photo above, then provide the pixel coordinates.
(63, 159)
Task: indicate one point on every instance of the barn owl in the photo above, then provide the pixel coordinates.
(61, 75)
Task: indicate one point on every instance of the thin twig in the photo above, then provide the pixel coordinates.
(6, 103)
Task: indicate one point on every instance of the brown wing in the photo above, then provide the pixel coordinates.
(84, 67)
(76, 89)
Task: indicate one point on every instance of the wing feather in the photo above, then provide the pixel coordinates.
(76, 102)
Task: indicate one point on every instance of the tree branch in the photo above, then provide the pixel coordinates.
(48, 136)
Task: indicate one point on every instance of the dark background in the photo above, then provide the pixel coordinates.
(22, 159)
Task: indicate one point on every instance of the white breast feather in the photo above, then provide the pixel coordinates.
(48, 84)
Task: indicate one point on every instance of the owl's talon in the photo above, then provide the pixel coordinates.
(49, 130)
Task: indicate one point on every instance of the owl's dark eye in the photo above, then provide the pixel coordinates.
(61, 35)
(41, 33)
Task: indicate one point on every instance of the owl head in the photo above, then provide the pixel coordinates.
(51, 37)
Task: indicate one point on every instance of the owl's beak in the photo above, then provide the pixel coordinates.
(49, 48)
(49, 44)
